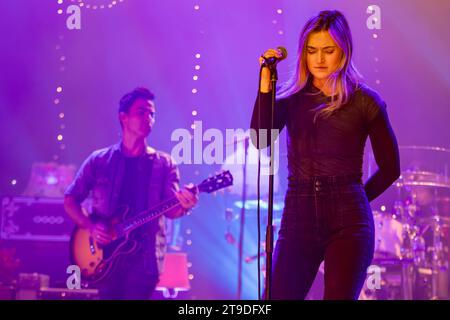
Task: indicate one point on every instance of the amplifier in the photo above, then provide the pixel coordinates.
(28, 218)
(68, 294)
(35, 286)
(29, 284)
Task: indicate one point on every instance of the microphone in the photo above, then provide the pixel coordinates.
(274, 60)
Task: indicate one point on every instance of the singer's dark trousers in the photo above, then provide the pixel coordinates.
(325, 219)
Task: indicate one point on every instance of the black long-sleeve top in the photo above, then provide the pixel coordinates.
(333, 145)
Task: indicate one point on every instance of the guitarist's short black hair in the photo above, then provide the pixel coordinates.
(128, 99)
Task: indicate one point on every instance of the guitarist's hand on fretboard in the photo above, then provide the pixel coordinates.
(188, 197)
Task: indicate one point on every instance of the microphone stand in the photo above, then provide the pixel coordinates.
(242, 224)
(269, 230)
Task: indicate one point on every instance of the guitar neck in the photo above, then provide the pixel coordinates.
(147, 216)
(209, 185)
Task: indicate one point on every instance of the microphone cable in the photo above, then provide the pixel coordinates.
(258, 187)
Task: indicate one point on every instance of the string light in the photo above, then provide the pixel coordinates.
(279, 11)
(59, 89)
(372, 48)
(195, 77)
(106, 4)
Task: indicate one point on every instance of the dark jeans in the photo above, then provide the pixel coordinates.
(325, 218)
(130, 280)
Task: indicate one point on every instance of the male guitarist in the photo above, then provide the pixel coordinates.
(135, 177)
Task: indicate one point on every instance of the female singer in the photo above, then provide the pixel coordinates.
(329, 113)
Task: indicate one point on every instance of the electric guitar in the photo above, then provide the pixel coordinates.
(96, 261)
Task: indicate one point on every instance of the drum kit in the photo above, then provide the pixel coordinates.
(412, 235)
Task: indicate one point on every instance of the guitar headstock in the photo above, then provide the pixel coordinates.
(217, 182)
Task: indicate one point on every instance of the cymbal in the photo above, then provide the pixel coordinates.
(424, 184)
(253, 205)
(430, 163)
(423, 178)
(425, 160)
(425, 148)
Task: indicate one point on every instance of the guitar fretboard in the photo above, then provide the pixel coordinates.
(146, 216)
(209, 185)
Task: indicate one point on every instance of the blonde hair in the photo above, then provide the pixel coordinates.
(344, 80)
